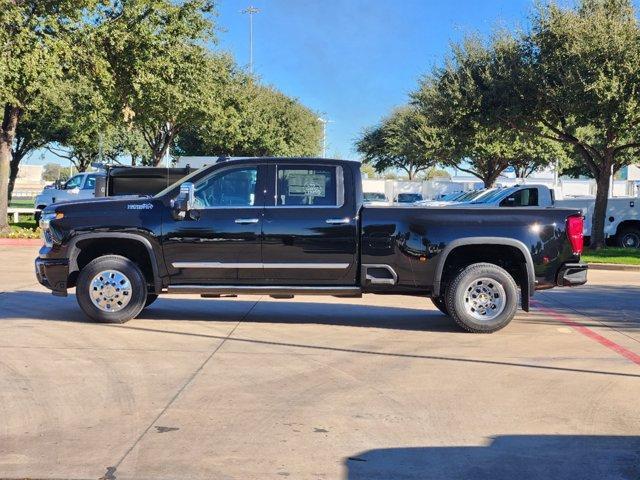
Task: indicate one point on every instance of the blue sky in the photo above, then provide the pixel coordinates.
(354, 60)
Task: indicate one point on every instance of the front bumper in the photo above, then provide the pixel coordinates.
(53, 274)
(572, 275)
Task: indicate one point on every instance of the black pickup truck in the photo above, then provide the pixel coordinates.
(295, 226)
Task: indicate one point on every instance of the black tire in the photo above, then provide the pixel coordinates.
(138, 291)
(37, 215)
(440, 304)
(460, 286)
(151, 297)
(629, 237)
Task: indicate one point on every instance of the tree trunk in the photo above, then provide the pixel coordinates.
(82, 163)
(160, 151)
(600, 207)
(490, 178)
(7, 134)
(14, 167)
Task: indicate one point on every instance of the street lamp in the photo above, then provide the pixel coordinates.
(324, 122)
(251, 11)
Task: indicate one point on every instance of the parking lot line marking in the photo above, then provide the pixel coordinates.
(112, 469)
(587, 332)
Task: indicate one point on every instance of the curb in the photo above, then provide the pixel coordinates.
(614, 267)
(20, 242)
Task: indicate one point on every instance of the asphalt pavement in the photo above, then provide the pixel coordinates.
(383, 387)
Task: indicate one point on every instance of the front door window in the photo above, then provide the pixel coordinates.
(229, 188)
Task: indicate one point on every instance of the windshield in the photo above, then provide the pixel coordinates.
(73, 182)
(496, 193)
(452, 196)
(178, 183)
(470, 195)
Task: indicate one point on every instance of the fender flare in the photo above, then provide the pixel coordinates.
(74, 251)
(527, 290)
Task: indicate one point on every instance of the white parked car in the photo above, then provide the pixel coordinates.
(80, 186)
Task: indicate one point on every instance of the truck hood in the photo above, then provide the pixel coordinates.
(99, 202)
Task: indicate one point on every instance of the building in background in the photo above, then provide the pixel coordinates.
(29, 182)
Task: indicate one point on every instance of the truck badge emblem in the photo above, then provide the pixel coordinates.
(139, 206)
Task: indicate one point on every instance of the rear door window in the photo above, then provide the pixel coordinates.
(299, 186)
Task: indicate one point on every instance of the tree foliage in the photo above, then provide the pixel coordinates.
(257, 121)
(574, 78)
(405, 140)
(37, 45)
(453, 98)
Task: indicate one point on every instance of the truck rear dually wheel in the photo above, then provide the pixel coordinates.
(482, 298)
(111, 289)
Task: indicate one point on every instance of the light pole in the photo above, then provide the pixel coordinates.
(324, 122)
(251, 11)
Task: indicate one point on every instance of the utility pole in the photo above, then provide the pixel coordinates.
(324, 122)
(251, 11)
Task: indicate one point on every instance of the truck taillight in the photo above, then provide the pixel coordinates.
(575, 229)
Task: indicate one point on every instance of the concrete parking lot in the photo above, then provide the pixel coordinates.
(318, 388)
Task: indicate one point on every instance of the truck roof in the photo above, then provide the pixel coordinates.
(284, 159)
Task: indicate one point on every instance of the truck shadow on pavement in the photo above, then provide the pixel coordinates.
(44, 306)
(32, 305)
(530, 457)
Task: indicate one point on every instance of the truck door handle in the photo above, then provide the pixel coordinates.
(246, 221)
(338, 221)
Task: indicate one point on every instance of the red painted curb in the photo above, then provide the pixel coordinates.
(587, 332)
(20, 242)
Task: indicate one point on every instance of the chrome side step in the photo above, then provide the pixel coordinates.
(281, 291)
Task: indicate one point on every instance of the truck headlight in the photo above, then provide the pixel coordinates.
(45, 223)
(46, 218)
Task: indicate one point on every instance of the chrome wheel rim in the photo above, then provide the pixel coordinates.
(110, 291)
(484, 299)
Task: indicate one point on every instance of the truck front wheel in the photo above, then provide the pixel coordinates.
(111, 289)
(482, 298)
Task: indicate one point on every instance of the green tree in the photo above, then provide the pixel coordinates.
(275, 124)
(573, 78)
(37, 40)
(405, 141)
(85, 128)
(33, 132)
(368, 170)
(52, 172)
(454, 98)
(155, 65)
(254, 120)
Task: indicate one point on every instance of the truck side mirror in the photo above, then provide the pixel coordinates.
(184, 202)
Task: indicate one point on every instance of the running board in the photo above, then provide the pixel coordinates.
(289, 290)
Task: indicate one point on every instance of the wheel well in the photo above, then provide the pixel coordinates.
(508, 257)
(93, 248)
(628, 223)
